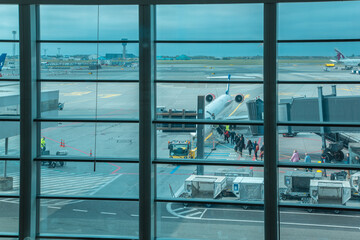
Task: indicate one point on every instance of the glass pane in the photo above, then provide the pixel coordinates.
(210, 182)
(90, 100)
(68, 22)
(91, 217)
(9, 177)
(330, 225)
(118, 22)
(10, 22)
(113, 140)
(333, 61)
(9, 99)
(210, 22)
(338, 142)
(174, 221)
(9, 61)
(316, 20)
(300, 102)
(9, 215)
(229, 142)
(88, 179)
(10, 139)
(89, 61)
(201, 61)
(316, 186)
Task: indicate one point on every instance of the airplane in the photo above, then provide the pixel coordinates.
(2, 61)
(348, 62)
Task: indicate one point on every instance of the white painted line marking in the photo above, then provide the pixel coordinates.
(193, 214)
(79, 210)
(54, 207)
(134, 215)
(169, 217)
(108, 213)
(191, 210)
(178, 209)
(203, 213)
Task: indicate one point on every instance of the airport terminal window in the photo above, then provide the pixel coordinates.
(90, 150)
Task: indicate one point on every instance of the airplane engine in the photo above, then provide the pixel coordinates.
(239, 98)
(210, 97)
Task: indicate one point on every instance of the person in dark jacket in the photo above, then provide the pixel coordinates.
(256, 149)
(232, 137)
(241, 144)
(249, 146)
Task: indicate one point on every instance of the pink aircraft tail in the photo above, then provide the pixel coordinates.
(339, 55)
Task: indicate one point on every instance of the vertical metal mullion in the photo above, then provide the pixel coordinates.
(146, 127)
(270, 121)
(28, 128)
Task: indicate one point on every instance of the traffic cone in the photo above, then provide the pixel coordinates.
(90, 153)
(61, 143)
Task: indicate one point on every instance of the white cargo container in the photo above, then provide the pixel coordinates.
(249, 188)
(231, 174)
(329, 192)
(203, 186)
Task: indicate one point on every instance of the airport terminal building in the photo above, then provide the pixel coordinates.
(177, 119)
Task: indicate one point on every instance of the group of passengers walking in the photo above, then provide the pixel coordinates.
(240, 145)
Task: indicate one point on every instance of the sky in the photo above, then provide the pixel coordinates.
(324, 20)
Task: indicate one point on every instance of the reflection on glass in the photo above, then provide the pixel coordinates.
(339, 145)
(80, 179)
(325, 224)
(210, 22)
(329, 61)
(9, 177)
(85, 217)
(9, 23)
(175, 221)
(114, 140)
(90, 100)
(203, 61)
(9, 215)
(10, 139)
(317, 20)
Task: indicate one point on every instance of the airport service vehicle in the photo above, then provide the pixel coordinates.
(204, 186)
(355, 185)
(248, 188)
(329, 192)
(231, 174)
(333, 153)
(181, 149)
(298, 184)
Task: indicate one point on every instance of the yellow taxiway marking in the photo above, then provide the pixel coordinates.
(108, 95)
(208, 137)
(286, 94)
(76, 93)
(349, 90)
(246, 96)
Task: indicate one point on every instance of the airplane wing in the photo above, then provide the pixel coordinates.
(244, 117)
(332, 60)
(245, 77)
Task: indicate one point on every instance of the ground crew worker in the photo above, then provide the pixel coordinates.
(43, 144)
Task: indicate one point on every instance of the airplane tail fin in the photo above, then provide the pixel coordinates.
(339, 55)
(2, 60)
(228, 86)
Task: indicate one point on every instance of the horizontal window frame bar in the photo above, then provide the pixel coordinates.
(207, 41)
(341, 166)
(318, 40)
(7, 235)
(209, 162)
(209, 122)
(86, 159)
(92, 198)
(9, 41)
(88, 41)
(319, 124)
(9, 196)
(10, 80)
(317, 82)
(212, 81)
(207, 201)
(76, 236)
(89, 81)
(9, 119)
(9, 158)
(318, 206)
(88, 120)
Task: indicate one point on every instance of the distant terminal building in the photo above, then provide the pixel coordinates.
(183, 57)
(164, 58)
(118, 55)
